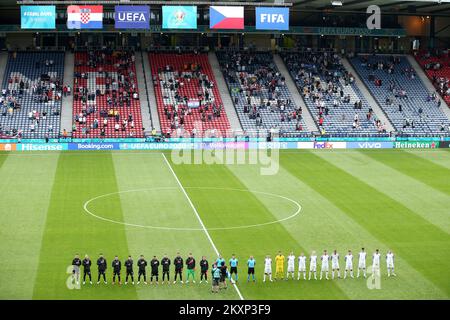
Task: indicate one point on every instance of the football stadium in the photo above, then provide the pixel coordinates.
(225, 150)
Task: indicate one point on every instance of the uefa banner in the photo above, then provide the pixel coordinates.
(37, 17)
(85, 17)
(132, 17)
(269, 18)
(179, 17)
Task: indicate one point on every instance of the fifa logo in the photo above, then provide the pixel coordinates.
(374, 20)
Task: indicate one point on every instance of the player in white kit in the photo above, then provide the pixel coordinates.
(348, 264)
(313, 265)
(335, 264)
(390, 263)
(290, 266)
(362, 262)
(376, 263)
(267, 268)
(325, 258)
(301, 266)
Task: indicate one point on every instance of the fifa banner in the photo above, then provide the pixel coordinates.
(268, 18)
(226, 17)
(85, 17)
(416, 144)
(132, 17)
(179, 17)
(38, 17)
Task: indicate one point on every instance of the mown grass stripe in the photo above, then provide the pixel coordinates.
(69, 230)
(396, 185)
(222, 208)
(414, 239)
(428, 172)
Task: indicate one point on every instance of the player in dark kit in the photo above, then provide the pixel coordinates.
(87, 269)
(142, 263)
(223, 275)
(116, 265)
(165, 262)
(101, 264)
(178, 263)
(129, 267)
(204, 269)
(76, 263)
(154, 264)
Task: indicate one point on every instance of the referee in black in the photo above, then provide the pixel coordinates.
(129, 270)
(154, 264)
(87, 269)
(165, 262)
(204, 269)
(101, 264)
(142, 263)
(117, 266)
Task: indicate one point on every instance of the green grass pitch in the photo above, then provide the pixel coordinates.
(386, 199)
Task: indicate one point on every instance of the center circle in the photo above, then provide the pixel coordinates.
(97, 216)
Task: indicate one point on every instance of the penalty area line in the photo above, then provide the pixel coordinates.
(198, 217)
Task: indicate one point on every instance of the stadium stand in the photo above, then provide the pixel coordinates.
(330, 93)
(187, 95)
(106, 96)
(31, 95)
(437, 68)
(260, 95)
(393, 82)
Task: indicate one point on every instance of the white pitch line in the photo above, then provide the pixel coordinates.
(198, 217)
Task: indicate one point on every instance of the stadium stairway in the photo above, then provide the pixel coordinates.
(370, 99)
(143, 93)
(151, 95)
(67, 102)
(224, 93)
(307, 117)
(3, 62)
(428, 84)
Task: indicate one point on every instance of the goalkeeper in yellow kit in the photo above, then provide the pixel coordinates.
(279, 265)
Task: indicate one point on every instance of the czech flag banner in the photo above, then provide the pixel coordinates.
(85, 17)
(226, 17)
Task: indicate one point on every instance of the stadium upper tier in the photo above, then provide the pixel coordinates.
(106, 96)
(31, 95)
(437, 67)
(187, 96)
(331, 94)
(260, 95)
(402, 95)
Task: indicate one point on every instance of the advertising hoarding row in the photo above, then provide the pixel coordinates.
(81, 17)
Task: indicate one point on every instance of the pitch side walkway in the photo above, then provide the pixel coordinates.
(426, 81)
(309, 120)
(224, 93)
(151, 93)
(143, 93)
(67, 102)
(370, 99)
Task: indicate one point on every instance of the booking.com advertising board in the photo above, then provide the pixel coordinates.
(38, 17)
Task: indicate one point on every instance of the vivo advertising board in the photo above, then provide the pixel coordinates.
(132, 17)
(370, 145)
(268, 18)
(38, 17)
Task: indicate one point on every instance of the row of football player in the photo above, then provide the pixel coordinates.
(325, 261)
(234, 262)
